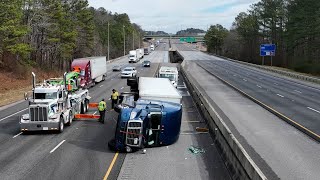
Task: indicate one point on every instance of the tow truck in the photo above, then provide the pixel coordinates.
(54, 103)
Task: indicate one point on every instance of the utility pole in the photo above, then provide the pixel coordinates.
(133, 40)
(139, 39)
(108, 43)
(124, 41)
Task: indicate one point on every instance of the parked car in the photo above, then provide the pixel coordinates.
(146, 63)
(129, 72)
(116, 68)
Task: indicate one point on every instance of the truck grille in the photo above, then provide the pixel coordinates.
(38, 114)
(134, 133)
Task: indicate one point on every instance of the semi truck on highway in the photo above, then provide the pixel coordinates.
(170, 73)
(91, 69)
(53, 105)
(140, 53)
(149, 116)
(133, 56)
(147, 50)
(152, 47)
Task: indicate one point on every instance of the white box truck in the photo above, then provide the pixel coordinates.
(170, 73)
(158, 89)
(152, 47)
(133, 56)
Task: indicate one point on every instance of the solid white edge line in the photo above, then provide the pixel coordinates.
(94, 113)
(313, 110)
(57, 146)
(17, 135)
(280, 95)
(259, 86)
(13, 114)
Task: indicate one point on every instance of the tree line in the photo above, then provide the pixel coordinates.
(293, 25)
(50, 33)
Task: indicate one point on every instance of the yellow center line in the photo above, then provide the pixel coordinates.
(111, 166)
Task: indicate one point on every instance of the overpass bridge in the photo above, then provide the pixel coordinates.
(198, 38)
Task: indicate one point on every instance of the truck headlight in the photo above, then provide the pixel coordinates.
(25, 117)
(53, 117)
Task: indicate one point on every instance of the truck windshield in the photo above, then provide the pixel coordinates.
(82, 73)
(132, 56)
(52, 95)
(171, 77)
(127, 70)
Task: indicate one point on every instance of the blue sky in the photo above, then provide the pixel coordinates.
(174, 15)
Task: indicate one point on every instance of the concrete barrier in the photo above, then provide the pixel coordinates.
(116, 59)
(237, 159)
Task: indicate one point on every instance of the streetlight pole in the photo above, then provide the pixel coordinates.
(108, 43)
(124, 41)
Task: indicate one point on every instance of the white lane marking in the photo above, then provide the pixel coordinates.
(298, 91)
(244, 80)
(94, 113)
(280, 95)
(259, 86)
(234, 75)
(260, 78)
(109, 99)
(13, 114)
(17, 135)
(121, 87)
(313, 110)
(57, 146)
(101, 85)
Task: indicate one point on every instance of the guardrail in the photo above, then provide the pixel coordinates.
(238, 160)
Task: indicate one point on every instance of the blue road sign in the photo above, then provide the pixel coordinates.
(267, 50)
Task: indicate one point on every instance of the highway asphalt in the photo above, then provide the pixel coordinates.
(279, 149)
(80, 152)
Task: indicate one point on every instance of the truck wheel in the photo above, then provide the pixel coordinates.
(69, 119)
(86, 102)
(82, 109)
(128, 149)
(61, 125)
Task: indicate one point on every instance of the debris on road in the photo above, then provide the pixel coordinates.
(196, 150)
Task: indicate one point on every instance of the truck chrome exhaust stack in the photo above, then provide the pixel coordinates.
(33, 84)
(65, 80)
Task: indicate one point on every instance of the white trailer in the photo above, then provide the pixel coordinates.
(98, 67)
(170, 73)
(158, 89)
(133, 56)
(140, 53)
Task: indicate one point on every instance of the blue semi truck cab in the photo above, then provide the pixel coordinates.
(146, 121)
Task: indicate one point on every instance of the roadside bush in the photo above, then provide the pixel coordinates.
(309, 68)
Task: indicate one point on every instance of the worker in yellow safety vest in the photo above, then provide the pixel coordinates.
(102, 110)
(114, 98)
